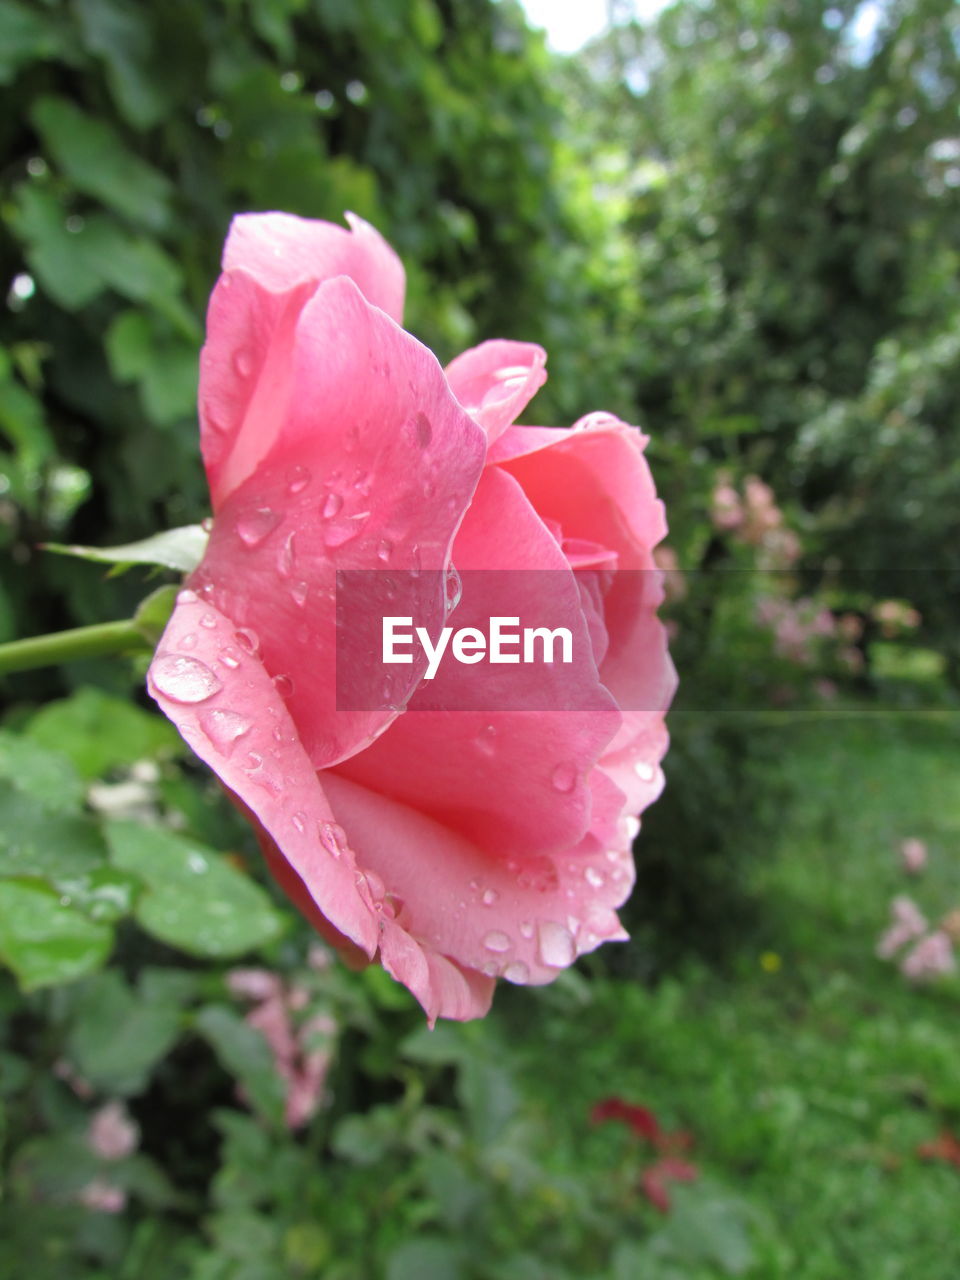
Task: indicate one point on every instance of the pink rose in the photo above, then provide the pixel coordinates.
(458, 845)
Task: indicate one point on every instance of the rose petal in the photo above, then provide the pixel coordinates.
(282, 251)
(496, 380)
(372, 467)
(523, 919)
(227, 709)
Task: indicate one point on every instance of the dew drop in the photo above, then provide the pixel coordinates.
(526, 929)
(224, 728)
(489, 897)
(384, 550)
(422, 429)
(286, 556)
(230, 658)
(612, 855)
(297, 480)
(453, 588)
(593, 877)
(299, 592)
(556, 944)
(187, 596)
(243, 362)
(248, 640)
(283, 685)
(254, 761)
(184, 679)
(254, 526)
(564, 778)
(474, 885)
(331, 505)
(189, 641)
(486, 740)
(209, 621)
(517, 971)
(333, 838)
(299, 820)
(490, 969)
(197, 863)
(644, 771)
(497, 941)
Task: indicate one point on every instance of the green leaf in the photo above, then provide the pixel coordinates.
(194, 899)
(181, 549)
(424, 1258)
(99, 732)
(44, 942)
(119, 33)
(118, 1033)
(46, 775)
(244, 1052)
(91, 155)
(62, 262)
(103, 894)
(35, 841)
(25, 36)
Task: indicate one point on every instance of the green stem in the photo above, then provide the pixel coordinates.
(106, 639)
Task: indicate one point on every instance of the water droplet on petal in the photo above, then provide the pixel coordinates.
(421, 429)
(489, 897)
(564, 778)
(526, 929)
(230, 658)
(299, 592)
(645, 772)
(189, 641)
(209, 621)
(224, 728)
(556, 944)
(187, 596)
(474, 885)
(490, 969)
(248, 640)
(286, 556)
(333, 838)
(283, 685)
(485, 741)
(612, 855)
(453, 588)
(497, 941)
(384, 550)
(517, 971)
(593, 877)
(197, 863)
(299, 820)
(331, 505)
(297, 480)
(243, 363)
(184, 679)
(254, 526)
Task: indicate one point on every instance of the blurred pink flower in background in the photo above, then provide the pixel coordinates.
(913, 855)
(931, 958)
(908, 923)
(725, 507)
(302, 1053)
(112, 1134)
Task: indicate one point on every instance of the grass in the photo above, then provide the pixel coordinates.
(811, 1072)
